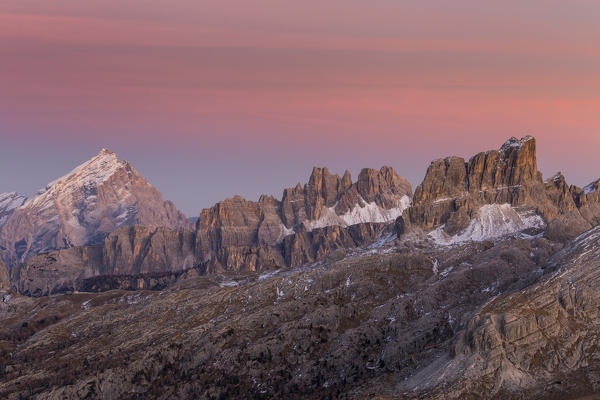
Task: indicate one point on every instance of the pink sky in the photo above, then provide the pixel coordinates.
(212, 98)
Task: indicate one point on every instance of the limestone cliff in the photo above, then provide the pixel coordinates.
(454, 190)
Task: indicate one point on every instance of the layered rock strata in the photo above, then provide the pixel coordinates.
(454, 190)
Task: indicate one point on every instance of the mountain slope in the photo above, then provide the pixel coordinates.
(84, 206)
(540, 342)
(9, 202)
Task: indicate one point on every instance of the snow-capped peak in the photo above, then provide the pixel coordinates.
(89, 174)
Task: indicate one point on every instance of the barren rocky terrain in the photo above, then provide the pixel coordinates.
(401, 319)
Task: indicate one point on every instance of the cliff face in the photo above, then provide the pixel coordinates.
(83, 207)
(137, 257)
(454, 191)
(235, 229)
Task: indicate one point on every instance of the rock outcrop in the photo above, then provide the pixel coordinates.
(237, 229)
(329, 200)
(454, 190)
(4, 277)
(83, 207)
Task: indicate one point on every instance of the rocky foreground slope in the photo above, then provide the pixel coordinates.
(503, 319)
(541, 341)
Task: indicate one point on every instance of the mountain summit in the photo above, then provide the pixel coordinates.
(455, 192)
(84, 206)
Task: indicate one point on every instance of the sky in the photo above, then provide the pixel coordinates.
(211, 98)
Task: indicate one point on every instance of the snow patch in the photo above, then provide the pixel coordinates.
(268, 275)
(228, 284)
(373, 213)
(361, 213)
(445, 272)
(492, 221)
(285, 231)
(86, 304)
(382, 241)
(8, 203)
(591, 188)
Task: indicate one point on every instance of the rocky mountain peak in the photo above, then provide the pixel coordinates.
(520, 157)
(84, 177)
(321, 190)
(378, 186)
(558, 180)
(514, 143)
(453, 191)
(84, 206)
(346, 181)
(512, 165)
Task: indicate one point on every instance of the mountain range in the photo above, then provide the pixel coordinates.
(104, 219)
(481, 284)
